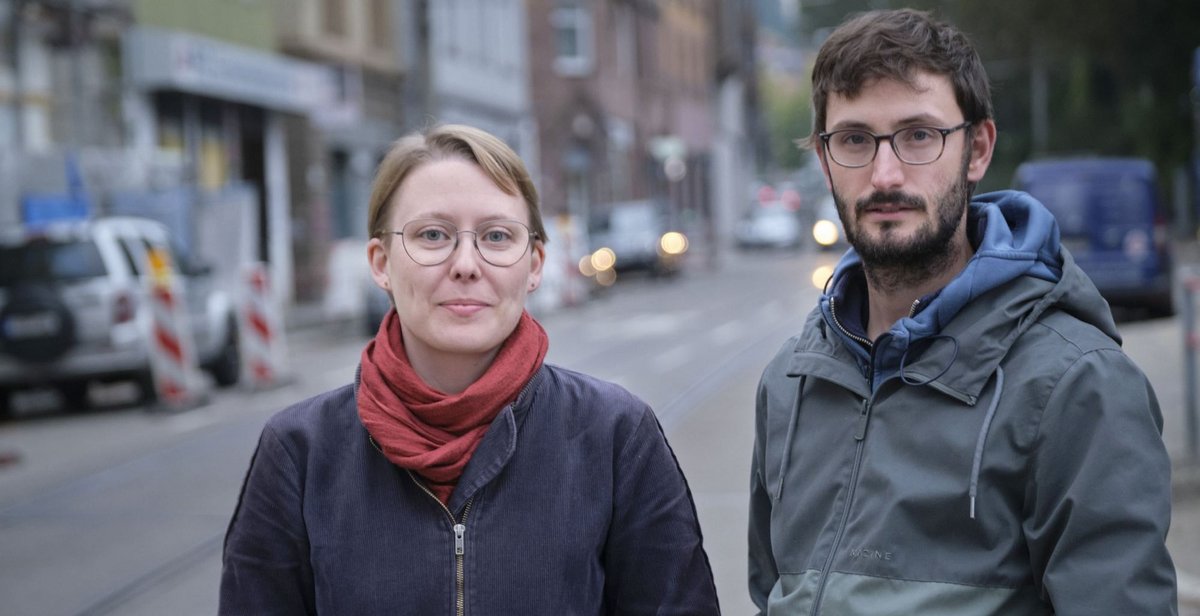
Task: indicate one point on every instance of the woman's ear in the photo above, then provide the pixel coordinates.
(377, 258)
(538, 257)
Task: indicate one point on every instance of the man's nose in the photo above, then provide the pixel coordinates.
(888, 170)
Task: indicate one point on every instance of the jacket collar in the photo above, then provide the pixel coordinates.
(498, 444)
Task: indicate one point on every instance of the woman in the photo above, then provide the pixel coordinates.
(460, 474)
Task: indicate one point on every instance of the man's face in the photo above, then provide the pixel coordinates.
(895, 213)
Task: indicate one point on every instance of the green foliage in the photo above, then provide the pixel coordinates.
(789, 117)
(1118, 72)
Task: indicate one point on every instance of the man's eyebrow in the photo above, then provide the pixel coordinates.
(920, 119)
(849, 125)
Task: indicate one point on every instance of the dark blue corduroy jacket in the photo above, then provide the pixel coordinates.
(572, 504)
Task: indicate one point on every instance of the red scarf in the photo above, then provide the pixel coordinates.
(424, 430)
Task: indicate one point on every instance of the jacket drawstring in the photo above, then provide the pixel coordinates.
(983, 431)
(791, 434)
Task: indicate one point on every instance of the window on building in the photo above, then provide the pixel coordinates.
(625, 41)
(333, 16)
(572, 25)
(380, 24)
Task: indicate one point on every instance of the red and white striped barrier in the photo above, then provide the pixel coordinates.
(262, 336)
(173, 367)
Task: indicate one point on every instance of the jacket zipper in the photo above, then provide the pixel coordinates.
(459, 527)
(859, 436)
(838, 323)
(912, 310)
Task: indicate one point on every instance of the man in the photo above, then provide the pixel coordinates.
(956, 430)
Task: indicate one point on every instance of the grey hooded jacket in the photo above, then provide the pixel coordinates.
(993, 453)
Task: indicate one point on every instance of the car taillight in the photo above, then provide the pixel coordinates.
(124, 307)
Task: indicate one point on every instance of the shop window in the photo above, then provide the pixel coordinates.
(213, 161)
(169, 111)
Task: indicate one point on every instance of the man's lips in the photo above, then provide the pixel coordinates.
(888, 208)
(889, 203)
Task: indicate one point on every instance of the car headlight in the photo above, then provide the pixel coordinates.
(825, 232)
(603, 259)
(673, 243)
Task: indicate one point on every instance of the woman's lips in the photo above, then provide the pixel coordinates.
(463, 308)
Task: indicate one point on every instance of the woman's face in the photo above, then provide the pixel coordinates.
(463, 308)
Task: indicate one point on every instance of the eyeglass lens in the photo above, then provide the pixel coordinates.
(916, 146)
(431, 241)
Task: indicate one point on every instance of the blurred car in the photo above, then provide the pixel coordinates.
(772, 224)
(73, 308)
(1111, 220)
(635, 236)
(827, 229)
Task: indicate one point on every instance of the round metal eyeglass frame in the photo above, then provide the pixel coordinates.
(454, 231)
(891, 138)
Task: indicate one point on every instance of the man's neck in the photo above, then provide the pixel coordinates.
(892, 292)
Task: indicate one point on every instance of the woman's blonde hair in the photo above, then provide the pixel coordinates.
(451, 142)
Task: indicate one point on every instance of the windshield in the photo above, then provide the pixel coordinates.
(46, 261)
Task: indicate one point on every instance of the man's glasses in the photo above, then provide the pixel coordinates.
(915, 145)
(429, 241)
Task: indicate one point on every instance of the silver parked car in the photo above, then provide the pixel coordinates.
(770, 224)
(73, 309)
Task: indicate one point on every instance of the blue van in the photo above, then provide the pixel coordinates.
(1111, 220)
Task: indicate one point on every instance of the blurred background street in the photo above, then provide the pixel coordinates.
(219, 154)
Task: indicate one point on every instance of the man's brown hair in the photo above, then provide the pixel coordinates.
(896, 44)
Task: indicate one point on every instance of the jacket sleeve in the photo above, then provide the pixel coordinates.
(266, 568)
(1101, 493)
(654, 560)
(762, 569)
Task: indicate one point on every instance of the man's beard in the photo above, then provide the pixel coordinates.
(893, 263)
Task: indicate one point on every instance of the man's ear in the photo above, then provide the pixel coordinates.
(983, 143)
(819, 148)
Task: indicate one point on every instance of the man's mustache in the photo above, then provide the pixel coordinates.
(881, 198)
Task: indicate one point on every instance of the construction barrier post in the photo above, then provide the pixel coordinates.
(263, 346)
(173, 366)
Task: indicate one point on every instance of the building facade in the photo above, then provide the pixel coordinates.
(624, 93)
(253, 127)
(335, 149)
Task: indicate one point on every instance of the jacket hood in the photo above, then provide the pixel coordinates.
(1017, 272)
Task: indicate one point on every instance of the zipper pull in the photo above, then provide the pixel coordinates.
(459, 529)
(862, 421)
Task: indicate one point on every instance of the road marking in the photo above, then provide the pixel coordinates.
(727, 332)
(674, 357)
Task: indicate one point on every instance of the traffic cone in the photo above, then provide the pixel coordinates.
(173, 365)
(263, 344)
